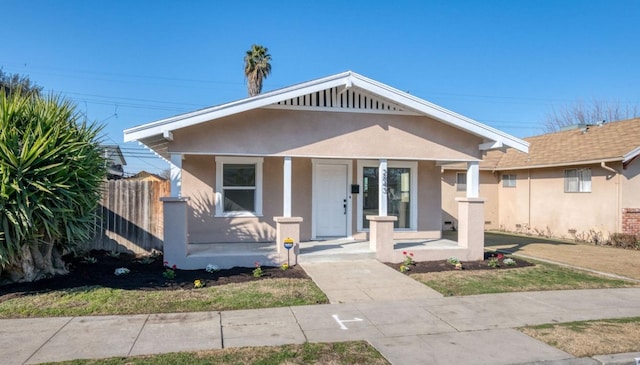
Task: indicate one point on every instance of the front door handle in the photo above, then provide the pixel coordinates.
(345, 206)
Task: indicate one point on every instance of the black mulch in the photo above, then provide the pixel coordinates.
(443, 265)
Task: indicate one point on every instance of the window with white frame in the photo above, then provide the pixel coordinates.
(461, 181)
(239, 186)
(577, 180)
(509, 180)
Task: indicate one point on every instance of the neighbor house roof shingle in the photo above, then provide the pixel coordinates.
(616, 141)
(594, 143)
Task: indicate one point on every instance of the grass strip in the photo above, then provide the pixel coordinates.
(589, 338)
(354, 352)
(537, 278)
(96, 300)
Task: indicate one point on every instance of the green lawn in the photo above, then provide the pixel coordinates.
(86, 301)
(540, 277)
(355, 352)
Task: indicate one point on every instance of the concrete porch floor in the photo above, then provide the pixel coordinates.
(338, 249)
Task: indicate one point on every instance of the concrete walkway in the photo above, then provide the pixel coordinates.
(365, 281)
(465, 330)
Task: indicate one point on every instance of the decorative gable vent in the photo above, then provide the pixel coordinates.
(335, 98)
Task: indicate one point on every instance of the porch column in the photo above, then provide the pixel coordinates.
(381, 237)
(473, 179)
(176, 175)
(288, 227)
(286, 200)
(382, 191)
(175, 239)
(471, 227)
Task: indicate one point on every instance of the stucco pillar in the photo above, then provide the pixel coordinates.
(288, 227)
(175, 230)
(176, 174)
(382, 191)
(471, 226)
(286, 187)
(381, 236)
(473, 179)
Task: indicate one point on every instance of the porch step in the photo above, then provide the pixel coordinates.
(335, 250)
(332, 257)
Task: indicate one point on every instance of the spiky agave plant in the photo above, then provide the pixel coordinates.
(51, 174)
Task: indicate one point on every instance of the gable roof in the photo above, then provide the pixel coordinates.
(617, 141)
(156, 134)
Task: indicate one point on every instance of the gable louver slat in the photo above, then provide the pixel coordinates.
(345, 99)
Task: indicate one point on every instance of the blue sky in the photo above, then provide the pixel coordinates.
(503, 63)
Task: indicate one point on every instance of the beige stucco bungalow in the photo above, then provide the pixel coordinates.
(342, 156)
(582, 182)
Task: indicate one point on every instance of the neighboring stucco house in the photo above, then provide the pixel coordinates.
(115, 161)
(582, 182)
(341, 156)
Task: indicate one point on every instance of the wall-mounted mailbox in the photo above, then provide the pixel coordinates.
(355, 189)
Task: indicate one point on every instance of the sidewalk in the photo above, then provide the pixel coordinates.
(425, 329)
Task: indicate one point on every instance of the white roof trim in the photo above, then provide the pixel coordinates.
(631, 155)
(342, 79)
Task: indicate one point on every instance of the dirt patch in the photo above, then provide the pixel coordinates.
(590, 338)
(142, 276)
(443, 265)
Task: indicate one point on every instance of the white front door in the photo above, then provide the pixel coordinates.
(330, 200)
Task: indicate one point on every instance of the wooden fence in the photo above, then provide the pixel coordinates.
(130, 217)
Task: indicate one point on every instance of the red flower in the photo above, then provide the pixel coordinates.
(166, 263)
(500, 256)
(411, 254)
(174, 267)
(257, 264)
(404, 253)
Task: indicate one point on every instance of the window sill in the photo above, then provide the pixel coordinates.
(237, 215)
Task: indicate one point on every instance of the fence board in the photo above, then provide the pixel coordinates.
(130, 217)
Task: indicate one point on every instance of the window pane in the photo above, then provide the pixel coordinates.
(509, 180)
(399, 196)
(369, 194)
(239, 175)
(239, 200)
(461, 181)
(585, 180)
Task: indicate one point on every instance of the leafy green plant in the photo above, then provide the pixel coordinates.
(493, 263)
(114, 254)
(147, 260)
(51, 173)
(257, 272)
(453, 260)
(89, 260)
(509, 262)
(169, 272)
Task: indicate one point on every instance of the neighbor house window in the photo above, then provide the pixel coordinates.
(509, 181)
(238, 186)
(461, 181)
(577, 181)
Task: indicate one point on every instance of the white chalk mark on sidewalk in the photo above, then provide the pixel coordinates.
(342, 321)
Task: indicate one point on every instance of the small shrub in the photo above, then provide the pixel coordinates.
(147, 260)
(284, 267)
(169, 272)
(197, 284)
(625, 240)
(257, 272)
(114, 254)
(493, 263)
(509, 261)
(404, 268)
(122, 271)
(453, 260)
(211, 268)
(89, 260)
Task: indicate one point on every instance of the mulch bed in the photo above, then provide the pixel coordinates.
(443, 265)
(142, 276)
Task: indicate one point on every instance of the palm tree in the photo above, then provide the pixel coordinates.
(256, 68)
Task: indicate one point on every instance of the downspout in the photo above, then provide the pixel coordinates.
(618, 197)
